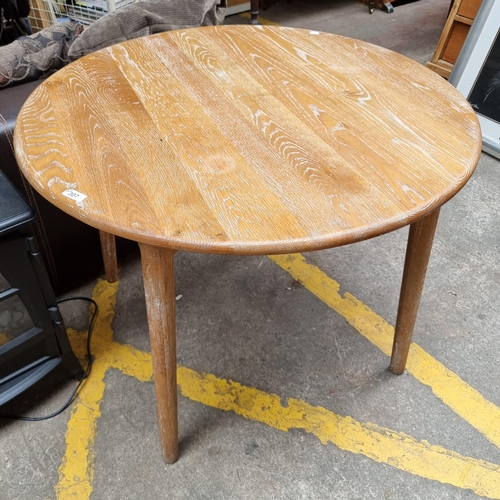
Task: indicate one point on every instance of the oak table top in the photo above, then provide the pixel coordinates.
(247, 140)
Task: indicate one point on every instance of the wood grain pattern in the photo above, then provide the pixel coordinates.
(469, 8)
(247, 140)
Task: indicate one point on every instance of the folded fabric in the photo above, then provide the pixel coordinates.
(32, 57)
(147, 18)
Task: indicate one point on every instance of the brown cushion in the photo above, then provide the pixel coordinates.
(147, 18)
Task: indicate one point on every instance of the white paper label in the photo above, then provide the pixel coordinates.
(74, 195)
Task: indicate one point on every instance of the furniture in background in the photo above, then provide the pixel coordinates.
(237, 6)
(382, 4)
(476, 73)
(30, 350)
(267, 154)
(456, 28)
(45, 13)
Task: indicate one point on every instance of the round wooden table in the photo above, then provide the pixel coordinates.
(247, 140)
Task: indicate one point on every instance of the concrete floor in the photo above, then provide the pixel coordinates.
(339, 425)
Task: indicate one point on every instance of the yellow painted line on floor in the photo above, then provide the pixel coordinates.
(446, 385)
(396, 449)
(76, 472)
(131, 361)
(382, 445)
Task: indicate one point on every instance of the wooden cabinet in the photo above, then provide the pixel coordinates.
(462, 14)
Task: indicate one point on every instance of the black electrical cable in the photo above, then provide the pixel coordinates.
(80, 382)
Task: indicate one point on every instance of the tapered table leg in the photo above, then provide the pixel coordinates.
(159, 286)
(108, 249)
(417, 257)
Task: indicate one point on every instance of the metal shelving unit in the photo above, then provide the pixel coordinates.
(45, 13)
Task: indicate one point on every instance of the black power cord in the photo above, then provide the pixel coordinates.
(80, 382)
